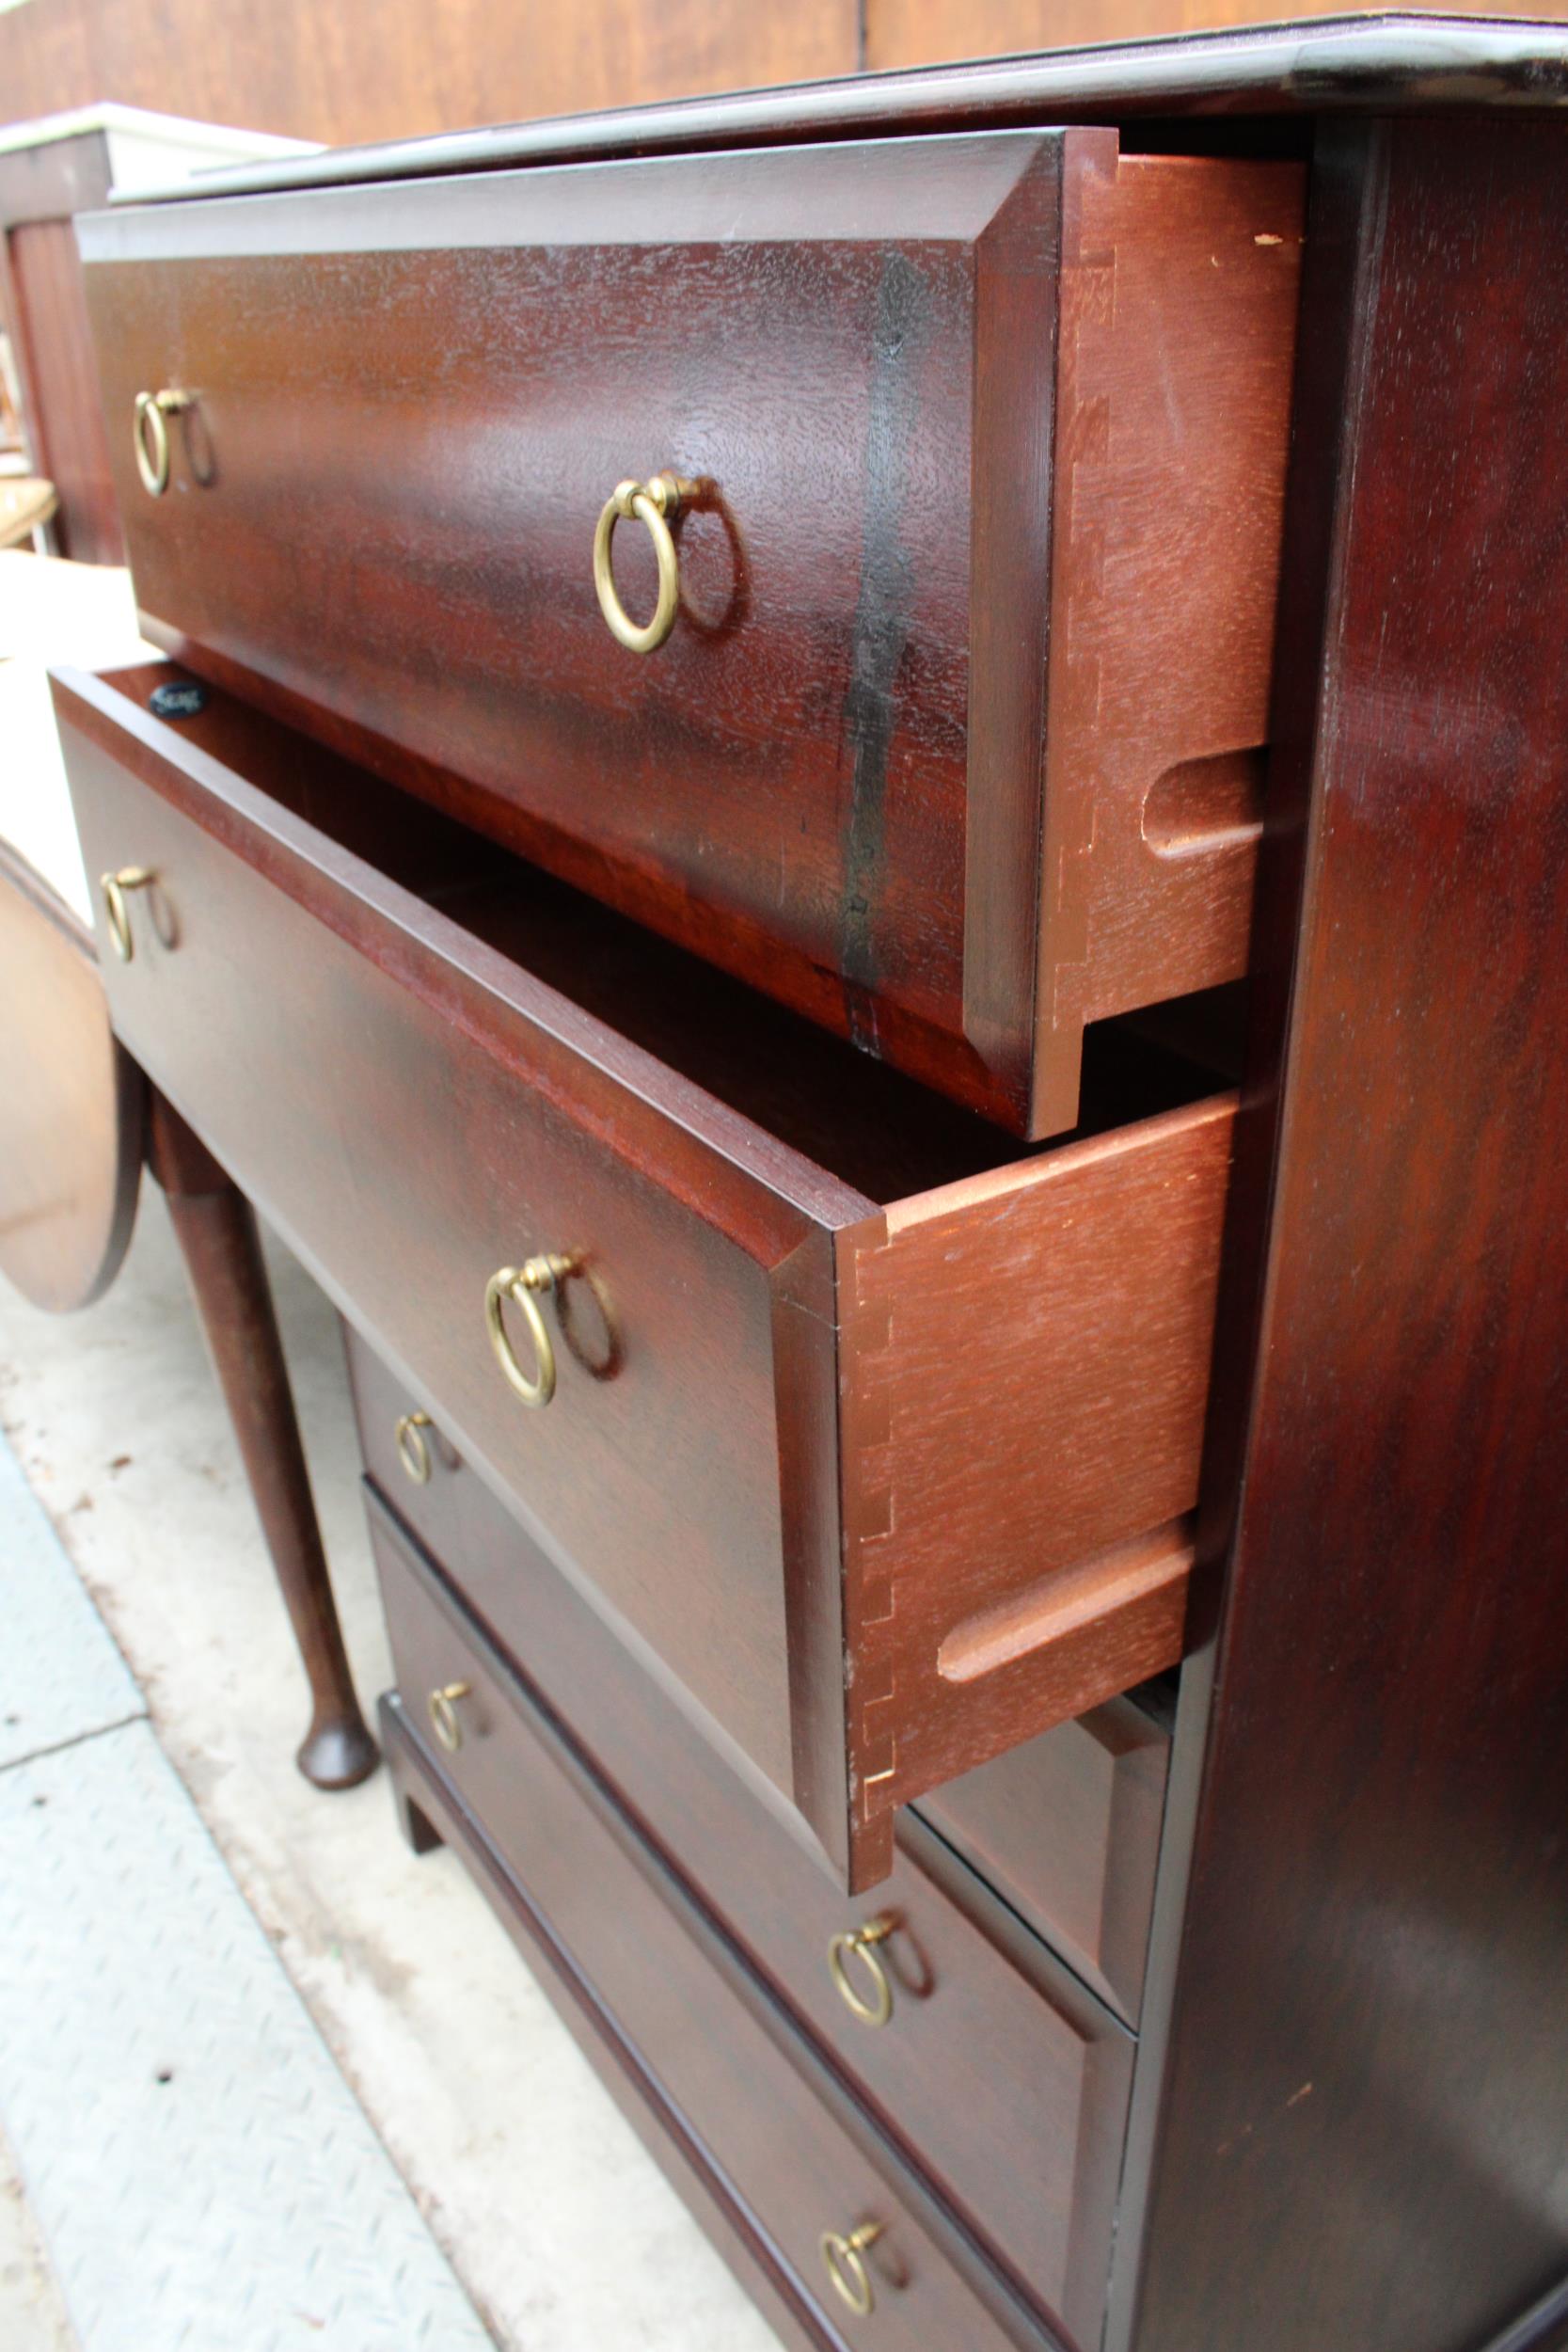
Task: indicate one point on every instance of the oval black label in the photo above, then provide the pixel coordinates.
(178, 701)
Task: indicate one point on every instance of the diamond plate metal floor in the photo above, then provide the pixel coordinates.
(61, 1674)
(201, 2172)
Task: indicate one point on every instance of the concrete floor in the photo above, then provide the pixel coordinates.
(559, 2226)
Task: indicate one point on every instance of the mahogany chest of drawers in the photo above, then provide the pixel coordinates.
(968, 1522)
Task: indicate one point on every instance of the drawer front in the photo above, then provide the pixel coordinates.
(1066, 1828)
(926, 1535)
(1003, 2055)
(869, 736)
(961, 1985)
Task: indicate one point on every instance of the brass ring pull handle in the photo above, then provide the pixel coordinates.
(413, 1447)
(441, 1707)
(114, 887)
(149, 432)
(653, 502)
(860, 1944)
(522, 1284)
(844, 2259)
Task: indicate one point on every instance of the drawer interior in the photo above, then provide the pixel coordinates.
(876, 1131)
(1066, 1829)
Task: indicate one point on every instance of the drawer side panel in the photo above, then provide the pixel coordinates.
(1025, 1377)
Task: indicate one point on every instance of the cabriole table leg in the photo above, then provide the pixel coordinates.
(215, 1228)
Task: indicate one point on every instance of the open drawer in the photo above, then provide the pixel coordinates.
(953, 742)
(873, 1435)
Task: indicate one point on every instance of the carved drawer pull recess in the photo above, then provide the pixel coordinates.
(413, 1447)
(114, 887)
(859, 1945)
(441, 1707)
(521, 1284)
(1070, 1602)
(655, 503)
(150, 432)
(844, 2259)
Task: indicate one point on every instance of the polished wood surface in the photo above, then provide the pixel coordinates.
(927, 389)
(1252, 87)
(709, 2055)
(65, 416)
(299, 1003)
(215, 1228)
(967, 1986)
(1066, 1829)
(399, 74)
(43, 304)
(72, 1104)
(431, 1815)
(1360, 2131)
(1164, 565)
(1006, 1575)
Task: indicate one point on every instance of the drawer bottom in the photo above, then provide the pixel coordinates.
(758, 2156)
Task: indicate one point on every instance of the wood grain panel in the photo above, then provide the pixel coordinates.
(43, 306)
(1164, 573)
(403, 68)
(979, 1423)
(64, 406)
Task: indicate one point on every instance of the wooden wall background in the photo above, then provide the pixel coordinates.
(349, 70)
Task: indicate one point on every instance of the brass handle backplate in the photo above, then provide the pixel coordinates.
(875, 2007)
(441, 1707)
(844, 2259)
(114, 887)
(150, 432)
(413, 1447)
(522, 1284)
(654, 503)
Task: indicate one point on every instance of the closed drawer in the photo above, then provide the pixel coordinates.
(882, 1479)
(962, 1993)
(494, 1766)
(953, 744)
(1066, 1828)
